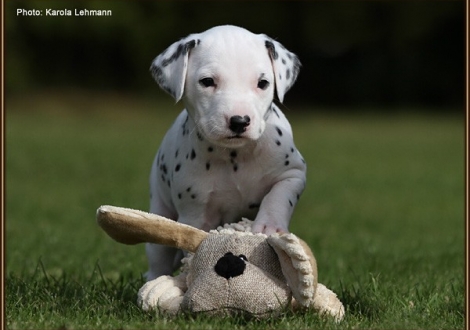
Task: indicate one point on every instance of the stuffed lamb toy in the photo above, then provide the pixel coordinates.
(228, 271)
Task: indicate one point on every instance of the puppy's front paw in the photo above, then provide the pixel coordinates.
(267, 228)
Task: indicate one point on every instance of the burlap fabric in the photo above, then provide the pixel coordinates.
(261, 290)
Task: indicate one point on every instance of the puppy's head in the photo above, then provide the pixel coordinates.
(227, 77)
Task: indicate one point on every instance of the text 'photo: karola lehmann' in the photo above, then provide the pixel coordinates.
(63, 12)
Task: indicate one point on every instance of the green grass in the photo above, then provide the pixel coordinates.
(383, 212)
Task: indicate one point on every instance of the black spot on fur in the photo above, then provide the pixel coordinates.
(208, 166)
(182, 49)
(177, 167)
(158, 158)
(193, 154)
(272, 50)
(286, 163)
(193, 196)
(157, 70)
(278, 142)
(184, 126)
(210, 149)
(279, 131)
(267, 113)
(188, 189)
(179, 196)
(235, 167)
(176, 153)
(290, 203)
(199, 136)
(233, 154)
(274, 110)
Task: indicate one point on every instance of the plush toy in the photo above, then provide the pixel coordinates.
(228, 271)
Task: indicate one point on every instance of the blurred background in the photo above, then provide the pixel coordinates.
(377, 112)
(354, 53)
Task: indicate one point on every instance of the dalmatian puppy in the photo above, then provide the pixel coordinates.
(230, 153)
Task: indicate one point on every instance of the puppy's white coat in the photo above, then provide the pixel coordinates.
(230, 153)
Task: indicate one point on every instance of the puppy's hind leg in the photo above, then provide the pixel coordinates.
(161, 260)
(160, 257)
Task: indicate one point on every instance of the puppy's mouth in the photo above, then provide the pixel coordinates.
(232, 141)
(235, 140)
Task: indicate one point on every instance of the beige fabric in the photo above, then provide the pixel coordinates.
(129, 226)
(260, 291)
(278, 267)
(326, 302)
(298, 267)
(163, 293)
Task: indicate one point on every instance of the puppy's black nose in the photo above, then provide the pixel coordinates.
(238, 124)
(230, 265)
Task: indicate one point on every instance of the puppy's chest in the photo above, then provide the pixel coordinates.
(211, 173)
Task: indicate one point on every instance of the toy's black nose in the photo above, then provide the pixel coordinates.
(230, 265)
(238, 124)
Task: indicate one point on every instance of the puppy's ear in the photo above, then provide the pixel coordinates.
(286, 66)
(169, 68)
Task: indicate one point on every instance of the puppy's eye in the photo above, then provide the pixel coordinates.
(207, 82)
(263, 84)
(243, 257)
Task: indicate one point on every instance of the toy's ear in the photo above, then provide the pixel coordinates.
(132, 227)
(298, 266)
(169, 68)
(286, 66)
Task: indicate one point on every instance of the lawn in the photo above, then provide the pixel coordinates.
(383, 212)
